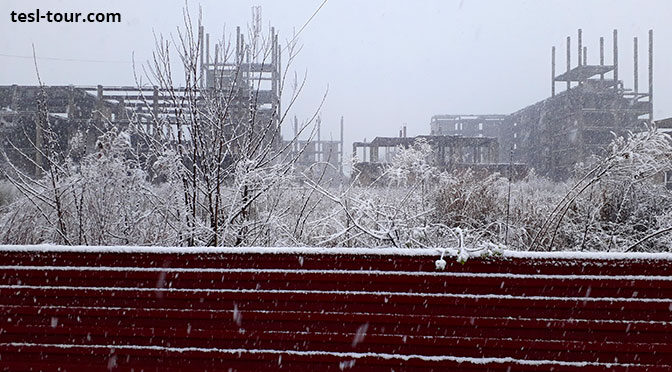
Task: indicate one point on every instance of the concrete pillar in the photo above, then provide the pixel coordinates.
(15, 98)
(364, 151)
(616, 57)
(552, 71)
(635, 65)
(580, 47)
(71, 103)
(318, 145)
(200, 52)
(155, 110)
(569, 61)
(601, 55)
(374, 154)
(651, 74)
(341, 150)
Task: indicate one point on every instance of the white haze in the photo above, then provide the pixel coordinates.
(386, 62)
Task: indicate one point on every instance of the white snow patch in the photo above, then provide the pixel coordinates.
(361, 333)
(367, 293)
(339, 251)
(237, 316)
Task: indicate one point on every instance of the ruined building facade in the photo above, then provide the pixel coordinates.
(251, 87)
(449, 152)
(554, 134)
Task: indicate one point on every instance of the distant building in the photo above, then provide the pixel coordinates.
(554, 134)
(87, 111)
(480, 154)
(467, 125)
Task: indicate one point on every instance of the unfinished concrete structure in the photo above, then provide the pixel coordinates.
(554, 134)
(75, 114)
(449, 153)
(448, 150)
(466, 125)
(250, 76)
(250, 85)
(317, 150)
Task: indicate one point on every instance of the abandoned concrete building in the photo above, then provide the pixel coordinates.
(317, 150)
(448, 149)
(550, 136)
(452, 152)
(467, 125)
(85, 112)
(554, 134)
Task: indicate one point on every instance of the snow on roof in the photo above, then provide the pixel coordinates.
(576, 255)
(223, 250)
(432, 252)
(607, 300)
(353, 355)
(339, 271)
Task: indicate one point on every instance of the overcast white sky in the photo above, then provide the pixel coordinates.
(386, 62)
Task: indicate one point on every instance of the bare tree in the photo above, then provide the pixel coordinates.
(222, 141)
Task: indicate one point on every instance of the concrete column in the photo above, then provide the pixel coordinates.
(71, 103)
(374, 154)
(552, 71)
(635, 65)
(601, 55)
(15, 98)
(341, 150)
(569, 61)
(651, 74)
(616, 57)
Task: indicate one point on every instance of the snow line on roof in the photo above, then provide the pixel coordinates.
(353, 355)
(226, 250)
(369, 293)
(343, 272)
(588, 255)
(423, 316)
(336, 251)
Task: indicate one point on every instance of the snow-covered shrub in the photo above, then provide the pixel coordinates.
(412, 165)
(106, 200)
(467, 200)
(613, 201)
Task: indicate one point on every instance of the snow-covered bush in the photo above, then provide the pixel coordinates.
(467, 200)
(109, 199)
(412, 165)
(104, 201)
(613, 201)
